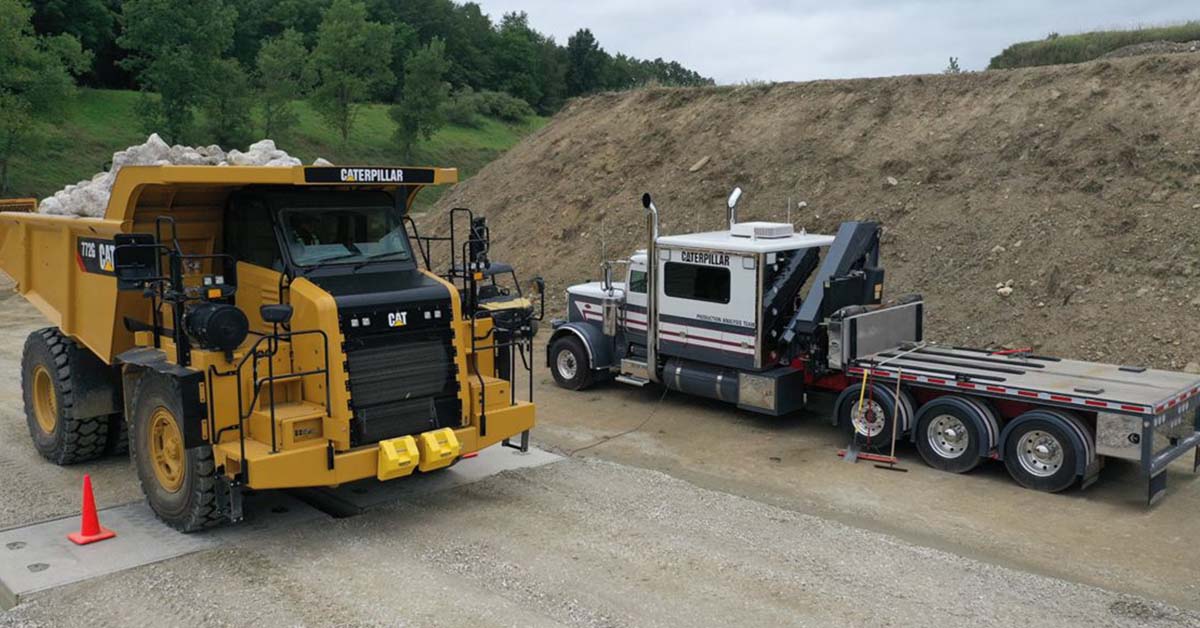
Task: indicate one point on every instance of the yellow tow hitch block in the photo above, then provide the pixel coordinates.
(398, 457)
(439, 448)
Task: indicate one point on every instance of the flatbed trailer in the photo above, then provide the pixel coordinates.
(1148, 416)
(724, 315)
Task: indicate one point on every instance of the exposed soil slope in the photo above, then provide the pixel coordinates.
(1079, 184)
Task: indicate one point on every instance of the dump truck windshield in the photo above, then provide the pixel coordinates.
(349, 235)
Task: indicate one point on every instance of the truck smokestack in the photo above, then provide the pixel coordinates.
(651, 288)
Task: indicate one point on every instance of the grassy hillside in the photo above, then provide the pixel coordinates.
(1087, 46)
(99, 122)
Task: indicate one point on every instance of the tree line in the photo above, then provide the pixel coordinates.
(206, 65)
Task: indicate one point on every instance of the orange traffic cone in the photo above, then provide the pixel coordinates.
(89, 529)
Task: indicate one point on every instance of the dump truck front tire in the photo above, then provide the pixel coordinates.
(46, 379)
(180, 484)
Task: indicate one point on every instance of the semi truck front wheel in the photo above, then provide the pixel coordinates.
(569, 363)
(180, 484)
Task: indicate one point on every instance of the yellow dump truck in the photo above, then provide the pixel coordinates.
(263, 327)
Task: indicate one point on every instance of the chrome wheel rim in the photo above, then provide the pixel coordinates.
(868, 419)
(1040, 453)
(567, 366)
(947, 436)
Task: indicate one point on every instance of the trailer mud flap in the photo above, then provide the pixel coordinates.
(1157, 488)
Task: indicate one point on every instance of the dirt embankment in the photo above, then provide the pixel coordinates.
(1078, 184)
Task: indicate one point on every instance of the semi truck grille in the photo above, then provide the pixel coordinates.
(401, 382)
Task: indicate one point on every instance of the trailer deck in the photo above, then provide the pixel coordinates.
(1145, 415)
(1071, 383)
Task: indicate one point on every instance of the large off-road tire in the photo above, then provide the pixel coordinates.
(118, 436)
(570, 364)
(180, 484)
(57, 434)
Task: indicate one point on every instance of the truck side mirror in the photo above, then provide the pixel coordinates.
(734, 197)
(135, 260)
(647, 202)
(276, 313)
(539, 285)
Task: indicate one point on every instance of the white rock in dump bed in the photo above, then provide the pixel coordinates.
(90, 197)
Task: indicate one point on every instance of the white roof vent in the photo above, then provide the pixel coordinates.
(762, 230)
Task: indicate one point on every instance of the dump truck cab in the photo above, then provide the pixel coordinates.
(265, 327)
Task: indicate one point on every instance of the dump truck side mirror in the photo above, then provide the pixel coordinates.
(135, 260)
(276, 313)
(539, 285)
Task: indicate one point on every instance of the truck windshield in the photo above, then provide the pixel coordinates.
(350, 235)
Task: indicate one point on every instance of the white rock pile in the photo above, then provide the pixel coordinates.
(90, 196)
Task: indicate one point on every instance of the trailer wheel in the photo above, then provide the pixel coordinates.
(569, 363)
(1040, 455)
(180, 484)
(49, 402)
(871, 427)
(947, 436)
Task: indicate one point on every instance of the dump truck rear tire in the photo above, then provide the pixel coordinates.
(118, 435)
(180, 484)
(46, 375)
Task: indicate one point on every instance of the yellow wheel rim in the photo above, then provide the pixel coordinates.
(166, 449)
(45, 400)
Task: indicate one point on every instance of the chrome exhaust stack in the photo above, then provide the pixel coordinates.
(651, 288)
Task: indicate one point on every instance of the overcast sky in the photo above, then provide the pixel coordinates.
(795, 40)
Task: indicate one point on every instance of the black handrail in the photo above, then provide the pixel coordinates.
(256, 354)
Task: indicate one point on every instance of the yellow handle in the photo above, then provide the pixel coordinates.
(862, 394)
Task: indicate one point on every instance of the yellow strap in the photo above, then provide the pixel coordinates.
(862, 394)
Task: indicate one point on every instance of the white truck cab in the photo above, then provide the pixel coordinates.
(760, 314)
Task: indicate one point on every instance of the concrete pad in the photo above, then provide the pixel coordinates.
(38, 557)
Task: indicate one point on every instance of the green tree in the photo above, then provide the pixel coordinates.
(419, 114)
(281, 79)
(227, 105)
(553, 60)
(36, 76)
(92, 22)
(952, 68)
(518, 58)
(586, 63)
(350, 64)
(176, 49)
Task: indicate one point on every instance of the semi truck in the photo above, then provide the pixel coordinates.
(761, 315)
(249, 327)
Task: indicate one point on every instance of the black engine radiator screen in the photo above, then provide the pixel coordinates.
(402, 381)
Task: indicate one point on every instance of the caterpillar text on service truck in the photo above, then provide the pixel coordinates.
(265, 327)
(724, 315)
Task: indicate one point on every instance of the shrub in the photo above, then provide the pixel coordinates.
(463, 109)
(503, 106)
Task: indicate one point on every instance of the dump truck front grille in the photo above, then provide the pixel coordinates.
(401, 382)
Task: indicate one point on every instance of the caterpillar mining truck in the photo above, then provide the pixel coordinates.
(725, 315)
(266, 328)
